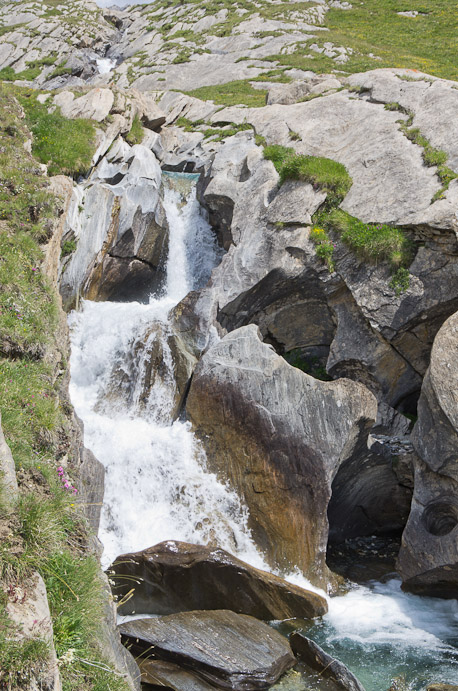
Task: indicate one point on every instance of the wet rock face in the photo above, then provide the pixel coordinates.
(119, 256)
(318, 660)
(428, 560)
(176, 576)
(372, 496)
(230, 651)
(279, 437)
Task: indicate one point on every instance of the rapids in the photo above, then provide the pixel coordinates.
(157, 486)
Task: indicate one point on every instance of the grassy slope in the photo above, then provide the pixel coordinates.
(45, 531)
(426, 42)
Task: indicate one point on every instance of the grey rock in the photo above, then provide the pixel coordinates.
(230, 651)
(8, 481)
(175, 576)
(28, 608)
(295, 203)
(157, 672)
(433, 101)
(95, 105)
(361, 135)
(428, 560)
(279, 437)
(318, 660)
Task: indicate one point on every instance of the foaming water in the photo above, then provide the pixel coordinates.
(382, 633)
(156, 485)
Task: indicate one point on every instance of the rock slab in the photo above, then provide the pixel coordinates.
(177, 576)
(231, 651)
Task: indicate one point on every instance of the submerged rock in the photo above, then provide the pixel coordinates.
(279, 437)
(318, 660)
(428, 560)
(231, 651)
(177, 576)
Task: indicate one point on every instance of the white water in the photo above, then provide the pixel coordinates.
(157, 487)
(105, 65)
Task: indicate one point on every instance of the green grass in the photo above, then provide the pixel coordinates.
(66, 146)
(232, 93)
(328, 175)
(372, 242)
(18, 658)
(45, 530)
(373, 26)
(135, 135)
(28, 308)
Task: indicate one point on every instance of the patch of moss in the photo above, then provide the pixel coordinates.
(324, 173)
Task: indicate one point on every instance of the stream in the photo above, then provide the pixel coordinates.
(157, 487)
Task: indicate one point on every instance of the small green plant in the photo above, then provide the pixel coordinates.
(135, 135)
(324, 246)
(309, 364)
(400, 280)
(295, 136)
(68, 247)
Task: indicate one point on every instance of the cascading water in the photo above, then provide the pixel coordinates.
(157, 487)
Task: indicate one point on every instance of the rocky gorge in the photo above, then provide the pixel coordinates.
(263, 306)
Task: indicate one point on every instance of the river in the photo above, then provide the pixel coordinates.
(158, 488)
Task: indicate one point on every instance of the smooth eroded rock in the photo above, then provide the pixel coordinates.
(176, 576)
(231, 651)
(278, 436)
(428, 560)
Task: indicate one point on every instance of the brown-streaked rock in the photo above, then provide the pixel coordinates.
(176, 576)
(230, 651)
(279, 437)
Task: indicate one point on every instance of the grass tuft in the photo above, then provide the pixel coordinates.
(135, 135)
(324, 173)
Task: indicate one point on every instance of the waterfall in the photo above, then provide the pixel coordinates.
(158, 488)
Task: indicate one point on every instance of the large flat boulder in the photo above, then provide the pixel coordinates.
(177, 576)
(231, 651)
(279, 437)
(428, 560)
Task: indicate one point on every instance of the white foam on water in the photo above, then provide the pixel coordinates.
(385, 614)
(156, 486)
(105, 65)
